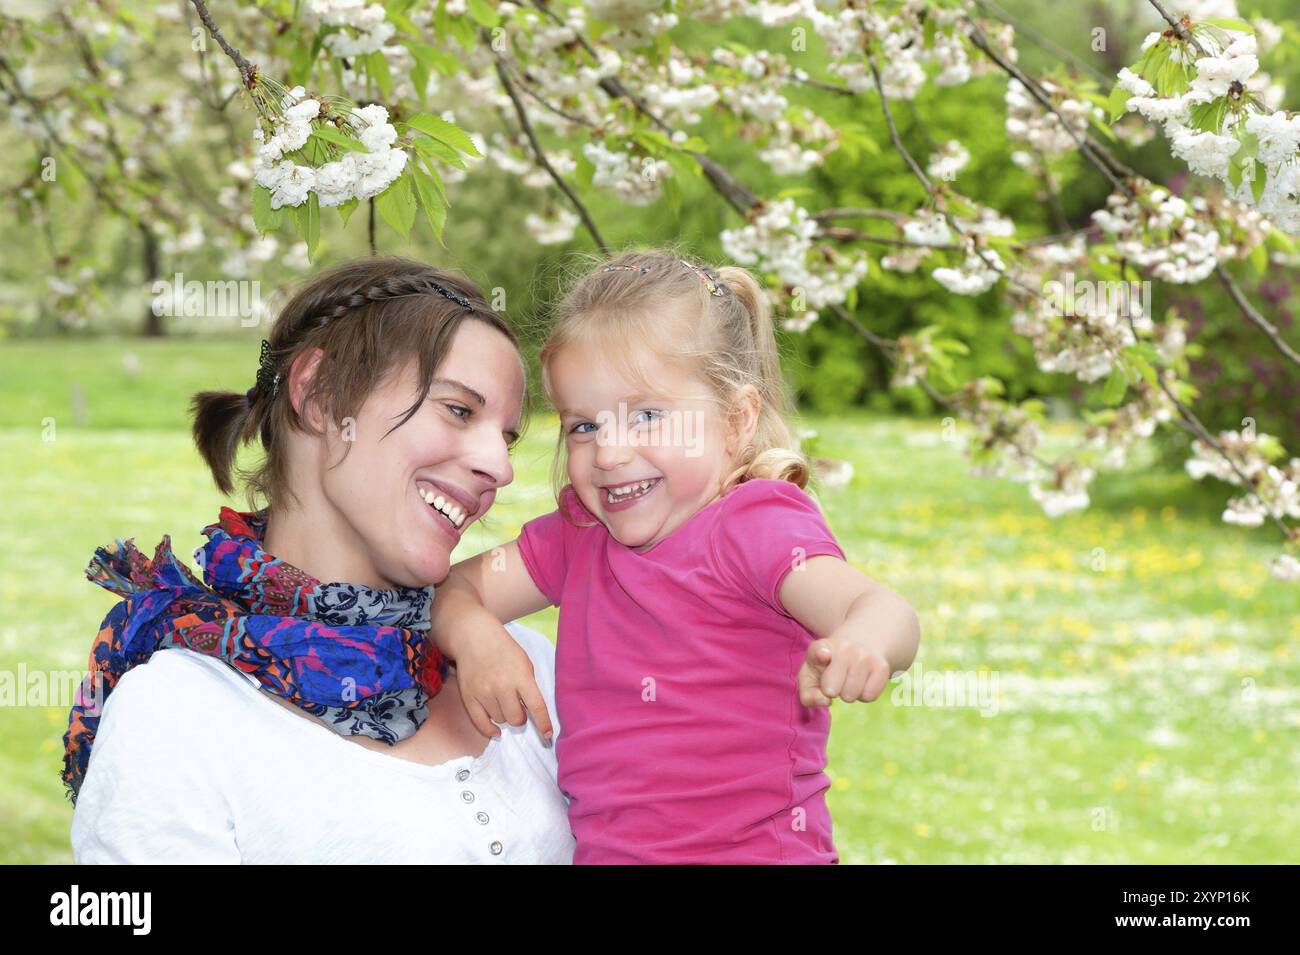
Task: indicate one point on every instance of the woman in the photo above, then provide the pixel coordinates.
(259, 714)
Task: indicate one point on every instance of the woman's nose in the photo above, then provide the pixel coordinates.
(489, 459)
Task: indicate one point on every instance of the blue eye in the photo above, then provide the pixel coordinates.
(581, 424)
(648, 411)
(456, 409)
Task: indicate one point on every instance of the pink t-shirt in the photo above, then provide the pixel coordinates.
(682, 736)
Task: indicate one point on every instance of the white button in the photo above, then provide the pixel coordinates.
(496, 848)
(463, 775)
(467, 796)
(482, 818)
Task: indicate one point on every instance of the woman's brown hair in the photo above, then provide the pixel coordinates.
(367, 317)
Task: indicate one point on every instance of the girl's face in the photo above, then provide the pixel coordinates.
(642, 464)
(372, 506)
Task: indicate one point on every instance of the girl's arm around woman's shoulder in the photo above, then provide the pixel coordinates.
(496, 676)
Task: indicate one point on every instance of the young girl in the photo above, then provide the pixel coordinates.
(707, 614)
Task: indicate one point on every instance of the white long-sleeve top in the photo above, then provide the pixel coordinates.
(194, 763)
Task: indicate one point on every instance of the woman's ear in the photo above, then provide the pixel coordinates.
(302, 374)
(745, 409)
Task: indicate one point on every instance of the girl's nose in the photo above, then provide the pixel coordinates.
(610, 453)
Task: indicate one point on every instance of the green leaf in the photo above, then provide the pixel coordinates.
(330, 134)
(433, 59)
(483, 13)
(438, 150)
(1100, 125)
(347, 208)
(463, 32)
(1145, 368)
(673, 193)
(1180, 79)
(264, 217)
(1116, 385)
(1257, 184)
(1224, 23)
(1249, 143)
(435, 210)
(1234, 172)
(1259, 259)
(585, 170)
(444, 132)
(437, 179)
(402, 22)
(308, 218)
(377, 64)
(420, 80)
(1207, 117)
(397, 205)
(69, 178)
(1117, 105)
(1154, 58)
(300, 63)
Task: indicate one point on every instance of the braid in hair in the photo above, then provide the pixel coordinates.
(397, 286)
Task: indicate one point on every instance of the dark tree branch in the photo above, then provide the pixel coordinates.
(540, 154)
(247, 70)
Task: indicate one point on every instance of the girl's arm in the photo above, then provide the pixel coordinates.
(497, 683)
(866, 631)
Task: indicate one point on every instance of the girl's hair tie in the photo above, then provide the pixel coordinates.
(713, 285)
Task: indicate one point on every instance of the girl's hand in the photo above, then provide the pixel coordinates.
(839, 666)
(497, 683)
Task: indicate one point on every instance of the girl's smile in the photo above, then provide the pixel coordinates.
(619, 497)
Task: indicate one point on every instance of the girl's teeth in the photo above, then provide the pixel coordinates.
(635, 489)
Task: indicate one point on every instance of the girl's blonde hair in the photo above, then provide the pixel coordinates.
(716, 324)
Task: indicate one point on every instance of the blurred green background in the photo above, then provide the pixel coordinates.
(1148, 711)
(1149, 706)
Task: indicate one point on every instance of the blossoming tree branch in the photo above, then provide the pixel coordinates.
(388, 107)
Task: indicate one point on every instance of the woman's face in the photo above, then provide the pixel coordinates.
(454, 450)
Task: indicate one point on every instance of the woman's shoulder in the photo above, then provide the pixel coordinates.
(176, 677)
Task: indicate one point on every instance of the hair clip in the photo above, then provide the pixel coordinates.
(626, 268)
(268, 372)
(458, 299)
(713, 285)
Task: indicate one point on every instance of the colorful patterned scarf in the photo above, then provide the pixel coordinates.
(354, 656)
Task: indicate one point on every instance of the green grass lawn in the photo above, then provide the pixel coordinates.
(1148, 706)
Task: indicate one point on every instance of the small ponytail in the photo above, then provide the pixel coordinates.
(221, 421)
(772, 454)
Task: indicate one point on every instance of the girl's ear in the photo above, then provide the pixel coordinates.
(745, 409)
(301, 376)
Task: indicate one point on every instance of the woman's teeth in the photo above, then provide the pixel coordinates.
(446, 507)
(625, 492)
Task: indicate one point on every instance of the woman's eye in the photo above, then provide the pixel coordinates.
(653, 415)
(457, 409)
(576, 429)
